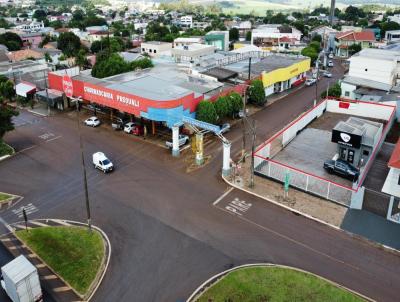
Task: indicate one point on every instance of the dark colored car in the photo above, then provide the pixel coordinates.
(342, 168)
(138, 130)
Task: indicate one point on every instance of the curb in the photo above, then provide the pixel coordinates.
(4, 157)
(359, 237)
(104, 266)
(10, 202)
(216, 278)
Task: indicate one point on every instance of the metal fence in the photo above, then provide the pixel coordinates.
(305, 182)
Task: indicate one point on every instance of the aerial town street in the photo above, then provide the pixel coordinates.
(167, 236)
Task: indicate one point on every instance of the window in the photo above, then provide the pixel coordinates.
(346, 93)
(366, 69)
(398, 181)
(155, 51)
(365, 152)
(143, 49)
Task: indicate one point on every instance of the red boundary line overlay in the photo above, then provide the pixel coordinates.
(303, 115)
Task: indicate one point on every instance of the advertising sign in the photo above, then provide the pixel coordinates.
(346, 139)
(67, 85)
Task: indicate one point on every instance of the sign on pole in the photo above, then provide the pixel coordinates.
(287, 181)
(201, 124)
(67, 85)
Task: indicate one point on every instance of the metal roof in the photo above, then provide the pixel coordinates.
(366, 83)
(18, 269)
(358, 126)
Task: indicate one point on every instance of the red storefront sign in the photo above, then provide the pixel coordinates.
(67, 85)
(344, 105)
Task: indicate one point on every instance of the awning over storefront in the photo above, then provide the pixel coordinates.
(51, 96)
(25, 88)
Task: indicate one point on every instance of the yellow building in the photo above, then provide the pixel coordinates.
(284, 72)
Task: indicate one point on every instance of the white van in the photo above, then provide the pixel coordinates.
(101, 162)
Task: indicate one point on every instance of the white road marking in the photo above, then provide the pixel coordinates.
(49, 277)
(60, 289)
(222, 196)
(26, 149)
(54, 138)
(29, 209)
(6, 225)
(38, 223)
(62, 222)
(46, 136)
(238, 207)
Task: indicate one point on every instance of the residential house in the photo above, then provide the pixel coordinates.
(345, 39)
(392, 36)
(268, 36)
(394, 18)
(156, 48)
(31, 27)
(186, 21)
(99, 35)
(183, 41)
(219, 39)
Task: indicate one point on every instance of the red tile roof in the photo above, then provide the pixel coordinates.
(356, 36)
(394, 161)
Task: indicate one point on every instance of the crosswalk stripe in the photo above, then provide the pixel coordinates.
(40, 265)
(49, 277)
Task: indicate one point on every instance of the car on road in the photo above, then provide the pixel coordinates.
(342, 168)
(183, 140)
(117, 123)
(101, 162)
(330, 63)
(330, 56)
(327, 74)
(224, 128)
(129, 127)
(310, 81)
(92, 121)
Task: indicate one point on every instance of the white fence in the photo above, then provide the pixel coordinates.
(264, 165)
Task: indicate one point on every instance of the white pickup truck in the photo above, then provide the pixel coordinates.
(183, 140)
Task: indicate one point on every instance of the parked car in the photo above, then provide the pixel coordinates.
(224, 128)
(129, 127)
(137, 130)
(310, 81)
(20, 280)
(92, 121)
(330, 56)
(330, 63)
(240, 114)
(183, 140)
(117, 123)
(101, 162)
(342, 168)
(327, 74)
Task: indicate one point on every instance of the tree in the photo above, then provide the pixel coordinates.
(248, 36)
(69, 43)
(316, 45)
(317, 38)
(257, 93)
(56, 24)
(386, 26)
(141, 64)
(81, 60)
(353, 13)
(96, 46)
(6, 115)
(354, 48)
(7, 90)
(109, 66)
(221, 107)
(206, 112)
(47, 57)
(236, 102)
(311, 53)
(233, 34)
(334, 91)
(39, 15)
(11, 40)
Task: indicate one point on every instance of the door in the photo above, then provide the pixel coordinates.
(343, 153)
(350, 156)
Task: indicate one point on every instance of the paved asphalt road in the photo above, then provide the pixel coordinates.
(167, 237)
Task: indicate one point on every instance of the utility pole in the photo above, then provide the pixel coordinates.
(244, 126)
(83, 167)
(316, 82)
(253, 150)
(47, 92)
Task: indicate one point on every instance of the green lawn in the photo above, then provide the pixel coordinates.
(4, 196)
(5, 149)
(274, 284)
(73, 252)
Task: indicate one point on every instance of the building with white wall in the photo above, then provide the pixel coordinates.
(191, 53)
(186, 21)
(183, 41)
(156, 48)
(376, 69)
(219, 39)
(392, 182)
(394, 18)
(392, 36)
(268, 36)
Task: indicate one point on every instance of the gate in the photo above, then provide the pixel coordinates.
(376, 202)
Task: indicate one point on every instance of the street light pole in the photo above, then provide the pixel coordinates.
(244, 126)
(83, 167)
(253, 150)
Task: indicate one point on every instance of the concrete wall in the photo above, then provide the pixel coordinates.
(373, 69)
(371, 110)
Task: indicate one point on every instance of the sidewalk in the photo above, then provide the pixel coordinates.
(50, 281)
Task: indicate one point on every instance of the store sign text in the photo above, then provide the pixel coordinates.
(111, 96)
